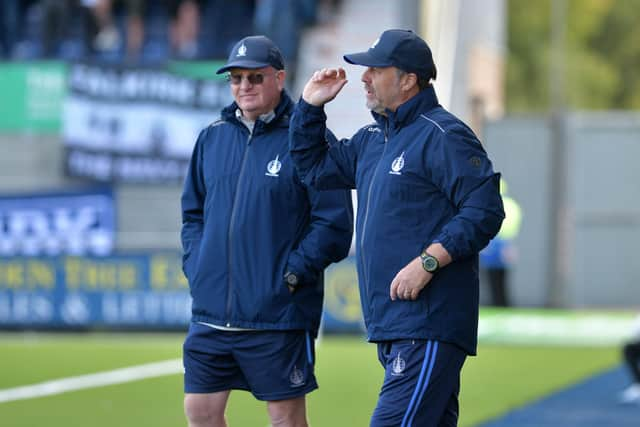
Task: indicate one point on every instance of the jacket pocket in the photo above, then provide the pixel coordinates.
(190, 260)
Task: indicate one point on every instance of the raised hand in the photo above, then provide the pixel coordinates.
(324, 85)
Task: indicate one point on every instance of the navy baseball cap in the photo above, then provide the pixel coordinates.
(254, 52)
(402, 49)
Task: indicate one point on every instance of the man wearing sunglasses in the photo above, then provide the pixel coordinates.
(428, 201)
(256, 241)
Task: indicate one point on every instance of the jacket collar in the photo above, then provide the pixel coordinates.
(408, 112)
(281, 113)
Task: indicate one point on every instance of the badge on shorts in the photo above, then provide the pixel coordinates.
(296, 377)
(397, 367)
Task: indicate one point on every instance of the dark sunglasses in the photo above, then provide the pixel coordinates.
(254, 78)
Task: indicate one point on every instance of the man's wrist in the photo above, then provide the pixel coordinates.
(308, 104)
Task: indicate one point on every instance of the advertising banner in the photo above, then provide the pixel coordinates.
(147, 290)
(135, 124)
(342, 308)
(71, 222)
(141, 291)
(32, 95)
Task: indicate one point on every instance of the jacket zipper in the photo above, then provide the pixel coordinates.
(366, 217)
(231, 224)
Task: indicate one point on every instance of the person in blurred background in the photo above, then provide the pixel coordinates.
(56, 19)
(184, 29)
(500, 255)
(429, 201)
(102, 30)
(283, 21)
(10, 14)
(631, 352)
(256, 241)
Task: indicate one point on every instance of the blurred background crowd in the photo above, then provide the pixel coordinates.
(146, 32)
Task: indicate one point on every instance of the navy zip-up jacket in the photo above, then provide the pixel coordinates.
(247, 219)
(422, 177)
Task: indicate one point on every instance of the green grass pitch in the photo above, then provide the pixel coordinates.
(500, 378)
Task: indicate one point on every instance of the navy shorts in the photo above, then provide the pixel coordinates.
(421, 384)
(272, 365)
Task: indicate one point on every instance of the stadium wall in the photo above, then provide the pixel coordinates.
(602, 219)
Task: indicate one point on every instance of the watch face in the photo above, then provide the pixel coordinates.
(430, 264)
(292, 279)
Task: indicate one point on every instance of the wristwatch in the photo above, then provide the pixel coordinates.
(429, 262)
(291, 279)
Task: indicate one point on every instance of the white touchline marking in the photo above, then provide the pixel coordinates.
(116, 376)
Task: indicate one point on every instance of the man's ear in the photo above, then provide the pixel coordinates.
(281, 76)
(410, 80)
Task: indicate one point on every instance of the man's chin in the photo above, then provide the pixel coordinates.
(247, 106)
(375, 107)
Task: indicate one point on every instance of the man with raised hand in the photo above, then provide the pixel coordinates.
(428, 202)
